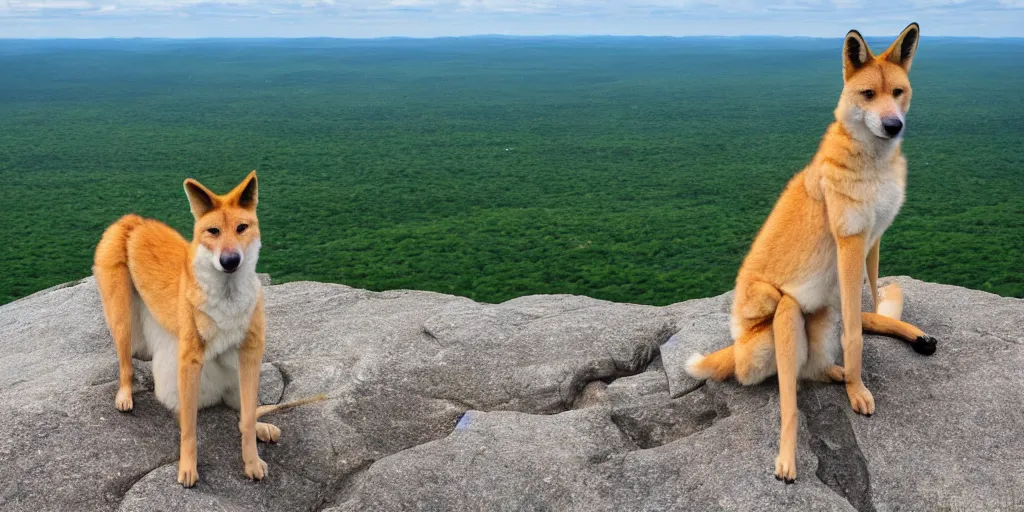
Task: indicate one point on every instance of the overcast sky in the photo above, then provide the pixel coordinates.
(429, 18)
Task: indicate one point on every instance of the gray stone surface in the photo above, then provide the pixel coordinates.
(540, 403)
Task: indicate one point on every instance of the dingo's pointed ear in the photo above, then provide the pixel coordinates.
(247, 193)
(200, 199)
(855, 53)
(904, 47)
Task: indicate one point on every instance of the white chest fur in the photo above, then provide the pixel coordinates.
(230, 302)
(888, 201)
(219, 378)
(230, 308)
(865, 206)
(877, 201)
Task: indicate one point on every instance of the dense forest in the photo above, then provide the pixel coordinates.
(629, 169)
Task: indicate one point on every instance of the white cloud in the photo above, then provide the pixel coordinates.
(567, 6)
(413, 3)
(40, 6)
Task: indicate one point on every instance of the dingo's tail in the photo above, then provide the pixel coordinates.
(267, 409)
(890, 301)
(719, 365)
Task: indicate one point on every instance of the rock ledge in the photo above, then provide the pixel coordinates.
(540, 403)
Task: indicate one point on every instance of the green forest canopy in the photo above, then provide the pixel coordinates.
(628, 169)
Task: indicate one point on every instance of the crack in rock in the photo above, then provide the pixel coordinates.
(123, 487)
(337, 492)
(841, 464)
(582, 383)
(272, 383)
(655, 422)
(432, 337)
(998, 337)
(593, 394)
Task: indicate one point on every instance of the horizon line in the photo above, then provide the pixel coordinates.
(471, 36)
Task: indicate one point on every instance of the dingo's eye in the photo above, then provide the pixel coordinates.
(868, 93)
(213, 231)
(897, 92)
(241, 228)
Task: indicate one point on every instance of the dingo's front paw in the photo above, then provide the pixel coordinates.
(256, 469)
(188, 473)
(785, 468)
(123, 400)
(860, 398)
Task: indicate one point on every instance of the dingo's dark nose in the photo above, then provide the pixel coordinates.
(230, 261)
(892, 126)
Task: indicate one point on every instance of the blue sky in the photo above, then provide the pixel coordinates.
(430, 18)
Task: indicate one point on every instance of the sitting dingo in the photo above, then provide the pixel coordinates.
(810, 256)
(196, 310)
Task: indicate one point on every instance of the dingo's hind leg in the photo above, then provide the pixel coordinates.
(753, 311)
(881, 324)
(755, 355)
(117, 292)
